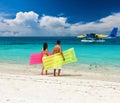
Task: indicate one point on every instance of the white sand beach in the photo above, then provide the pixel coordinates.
(21, 84)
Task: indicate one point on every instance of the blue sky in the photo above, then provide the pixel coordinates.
(58, 17)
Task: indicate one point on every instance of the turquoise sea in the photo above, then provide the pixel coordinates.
(17, 50)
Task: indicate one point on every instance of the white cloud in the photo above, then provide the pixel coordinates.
(52, 21)
(54, 25)
(23, 18)
(29, 24)
(2, 15)
(24, 24)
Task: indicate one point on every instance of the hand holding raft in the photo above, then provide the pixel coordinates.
(56, 60)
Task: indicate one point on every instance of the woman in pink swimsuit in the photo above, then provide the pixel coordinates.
(45, 53)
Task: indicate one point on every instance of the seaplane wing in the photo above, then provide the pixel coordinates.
(82, 36)
(101, 36)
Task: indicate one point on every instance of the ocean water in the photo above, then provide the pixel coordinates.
(17, 50)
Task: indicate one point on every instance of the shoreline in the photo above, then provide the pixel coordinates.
(35, 70)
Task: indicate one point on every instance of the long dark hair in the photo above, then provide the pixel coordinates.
(45, 46)
(58, 42)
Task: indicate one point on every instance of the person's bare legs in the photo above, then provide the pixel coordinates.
(54, 72)
(59, 70)
(46, 72)
(42, 70)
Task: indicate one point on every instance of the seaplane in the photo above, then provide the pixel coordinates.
(93, 37)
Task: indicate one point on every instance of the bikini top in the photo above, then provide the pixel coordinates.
(45, 52)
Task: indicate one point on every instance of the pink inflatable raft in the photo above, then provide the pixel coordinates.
(37, 58)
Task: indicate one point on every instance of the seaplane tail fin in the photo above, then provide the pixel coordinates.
(114, 32)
